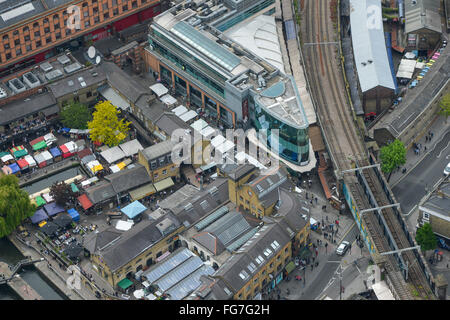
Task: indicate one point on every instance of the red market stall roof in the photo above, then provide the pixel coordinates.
(22, 163)
(64, 149)
(33, 142)
(85, 202)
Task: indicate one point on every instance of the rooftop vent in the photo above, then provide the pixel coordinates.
(16, 85)
(31, 80)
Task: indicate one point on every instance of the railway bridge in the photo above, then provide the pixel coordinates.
(361, 182)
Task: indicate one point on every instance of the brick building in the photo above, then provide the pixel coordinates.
(33, 30)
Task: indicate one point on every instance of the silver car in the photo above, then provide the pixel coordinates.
(342, 249)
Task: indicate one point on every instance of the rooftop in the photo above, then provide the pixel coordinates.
(157, 150)
(369, 45)
(439, 202)
(422, 14)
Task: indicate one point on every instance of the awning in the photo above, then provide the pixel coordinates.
(290, 267)
(39, 216)
(125, 283)
(168, 99)
(33, 142)
(23, 164)
(7, 157)
(14, 168)
(163, 184)
(121, 165)
(55, 152)
(74, 214)
(51, 110)
(179, 110)
(208, 166)
(191, 114)
(142, 192)
(84, 201)
(74, 187)
(134, 209)
(39, 201)
(159, 89)
(19, 151)
(115, 99)
(40, 145)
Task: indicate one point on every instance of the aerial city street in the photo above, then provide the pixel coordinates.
(201, 150)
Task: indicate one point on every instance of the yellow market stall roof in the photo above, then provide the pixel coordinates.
(142, 192)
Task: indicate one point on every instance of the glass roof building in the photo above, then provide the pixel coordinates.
(188, 51)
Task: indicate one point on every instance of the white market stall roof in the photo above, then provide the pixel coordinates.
(191, 114)
(47, 155)
(49, 137)
(406, 68)
(124, 225)
(168, 99)
(116, 100)
(199, 125)
(226, 146)
(71, 146)
(47, 197)
(159, 89)
(113, 154)
(130, 148)
(217, 141)
(180, 110)
(382, 291)
(410, 55)
(30, 160)
(207, 131)
(7, 158)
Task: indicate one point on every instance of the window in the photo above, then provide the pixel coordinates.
(26, 29)
(114, 2)
(426, 216)
(116, 12)
(125, 8)
(89, 94)
(18, 52)
(105, 6)
(56, 25)
(48, 40)
(27, 38)
(37, 33)
(38, 43)
(249, 193)
(86, 24)
(45, 20)
(134, 4)
(155, 175)
(84, 4)
(86, 13)
(271, 265)
(247, 289)
(96, 19)
(58, 35)
(164, 172)
(68, 31)
(55, 17)
(247, 202)
(106, 15)
(5, 38)
(279, 258)
(35, 25)
(95, 10)
(8, 56)
(16, 42)
(28, 47)
(259, 259)
(153, 164)
(15, 33)
(47, 30)
(240, 198)
(6, 46)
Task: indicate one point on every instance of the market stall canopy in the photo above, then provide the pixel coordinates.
(134, 209)
(74, 214)
(39, 216)
(139, 294)
(159, 89)
(84, 201)
(83, 153)
(142, 192)
(207, 131)
(14, 168)
(30, 160)
(39, 158)
(163, 184)
(48, 197)
(199, 125)
(124, 225)
(40, 145)
(63, 220)
(74, 187)
(132, 147)
(191, 114)
(180, 110)
(53, 208)
(55, 152)
(40, 201)
(23, 164)
(95, 166)
(49, 228)
(49, 138)
(114, 168)
(116, 99)
(125, 284)
(168, 100)
(34, 141)
(113, 154)
(6, 157)
(88, 158)
(19, 151)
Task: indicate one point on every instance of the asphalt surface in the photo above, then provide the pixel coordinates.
(424, 176)
(322, 280)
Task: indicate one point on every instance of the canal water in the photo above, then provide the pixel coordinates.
(10, 254)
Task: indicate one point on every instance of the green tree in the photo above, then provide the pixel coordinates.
(426, 238)
(75, 115)
(61, 192)
(15, 205)
(445, 106)
(392, 156)
(106, 126)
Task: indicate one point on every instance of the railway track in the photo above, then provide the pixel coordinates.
(333, 110)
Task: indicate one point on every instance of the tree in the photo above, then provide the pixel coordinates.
(75, 115)
(15, 205)
(392, 156)
(445, 106)
(106, 126)
(61, 192)
(426, 238)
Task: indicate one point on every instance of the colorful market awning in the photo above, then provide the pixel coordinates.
(39, 201)
(85, 202)
(121, 165)
(39, 216)
(163, 184)
(14, 168)
(74, 187)
(40, 145)
(19, 151)
(55, 152)
(23, 164)
(74, 214)
(33, 142)
(125, 284)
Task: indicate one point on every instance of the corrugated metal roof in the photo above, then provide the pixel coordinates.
(421, 14)
(369, 46)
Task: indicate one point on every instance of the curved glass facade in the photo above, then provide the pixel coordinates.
(293, 143)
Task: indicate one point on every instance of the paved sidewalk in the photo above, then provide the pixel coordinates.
(439, 128)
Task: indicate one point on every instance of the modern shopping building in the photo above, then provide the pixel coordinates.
(188, 51)
(31, 30)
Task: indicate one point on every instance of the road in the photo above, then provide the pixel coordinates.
(321, 281)
(410, 190)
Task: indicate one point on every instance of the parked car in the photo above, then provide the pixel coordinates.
(342, 249)
(447, 169)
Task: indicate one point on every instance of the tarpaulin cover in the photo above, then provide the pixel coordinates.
(14, 168)
(74, 187)
(83, 153)
(50, 137)
(53, 208)
(19, 151)
(55, 152)
(47, 156)
(23, 164)
(30, 160)
(133, 209)
(84, 201)
(3, 153)
(74, 214)
(39, 216)
(63, 148)
(40, 201)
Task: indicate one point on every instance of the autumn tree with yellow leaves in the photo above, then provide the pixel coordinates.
(106, 126)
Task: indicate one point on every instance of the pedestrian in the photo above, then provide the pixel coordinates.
(316, 200)
(312, 267)
(426, 138)
(432, 135)
(307, 195)
(425, 148)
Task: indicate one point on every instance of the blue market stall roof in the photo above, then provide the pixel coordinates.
(39, 216)
(53, 208)
(134, 209)
(74, 214)
(14, 167)
(55, 152)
